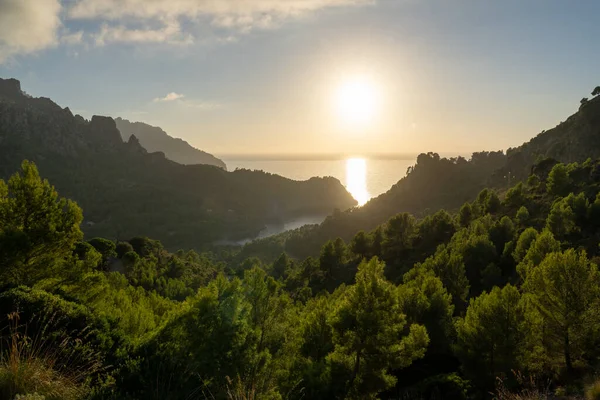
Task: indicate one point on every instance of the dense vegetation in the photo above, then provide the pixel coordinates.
(411, 309)
(126, 191)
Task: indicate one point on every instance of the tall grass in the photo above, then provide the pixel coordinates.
(56, 367)
(237, 390)
(529, 389)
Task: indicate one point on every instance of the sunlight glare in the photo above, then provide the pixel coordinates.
(357, 101)
(356, 179)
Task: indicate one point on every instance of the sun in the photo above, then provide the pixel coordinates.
(357, 101)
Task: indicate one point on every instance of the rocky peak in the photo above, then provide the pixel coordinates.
(10, 88)
(134, 145)
(104, 130)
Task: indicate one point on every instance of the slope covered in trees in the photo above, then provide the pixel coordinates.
(153, 139)
(126, 191)
(436, 183)
(503, 289)
(573, 140)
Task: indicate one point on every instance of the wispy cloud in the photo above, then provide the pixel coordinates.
(185, 102)
(122, 18)
(168, 32)
(169, 97)
(224, 12)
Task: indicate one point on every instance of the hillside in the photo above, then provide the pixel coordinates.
(574, 140)
(126, 191)
(154, 139)
(436, 183)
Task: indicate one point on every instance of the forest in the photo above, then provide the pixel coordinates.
(498, 299)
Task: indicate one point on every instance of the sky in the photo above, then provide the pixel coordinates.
(268, 76)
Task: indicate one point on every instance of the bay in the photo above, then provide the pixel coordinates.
(364, 178)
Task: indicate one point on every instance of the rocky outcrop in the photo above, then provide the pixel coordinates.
(155, 139)
(103, 130)
(10, 88)
(134, 146)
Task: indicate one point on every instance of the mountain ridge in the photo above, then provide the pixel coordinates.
(573, 140)
(127, 191)
(154, 138)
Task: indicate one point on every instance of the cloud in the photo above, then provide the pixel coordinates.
(188, 103)
(170, 33)
(152, 9)
(234, 15)
(28, 26)
(169, 97)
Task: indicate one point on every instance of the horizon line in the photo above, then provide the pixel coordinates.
(326, 156)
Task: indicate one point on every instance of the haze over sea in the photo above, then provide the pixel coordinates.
(363, 177)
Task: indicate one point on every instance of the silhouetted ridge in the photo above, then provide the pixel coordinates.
(575, 139)
(127, 191)
(154, 139)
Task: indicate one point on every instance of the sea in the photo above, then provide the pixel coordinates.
(363, 177)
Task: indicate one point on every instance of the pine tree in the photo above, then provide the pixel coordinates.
(565, 290)
(491, 335)
(370, 336)
(38, 229)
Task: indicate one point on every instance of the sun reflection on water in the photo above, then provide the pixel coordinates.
(356, 179)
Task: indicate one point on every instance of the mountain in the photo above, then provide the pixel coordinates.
(127, 191)
(436, 183)
(154, 139)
